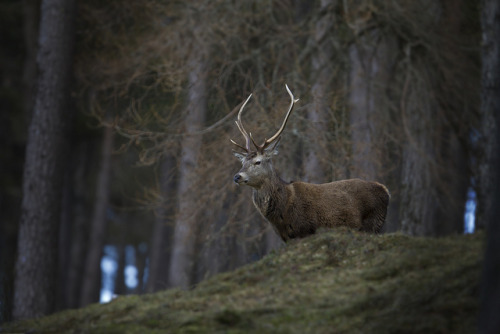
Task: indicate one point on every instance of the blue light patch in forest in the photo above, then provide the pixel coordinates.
(109, 268)
(131, 280)
(470, 212)
(130, 271)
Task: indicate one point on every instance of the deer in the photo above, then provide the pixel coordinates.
(299, 209)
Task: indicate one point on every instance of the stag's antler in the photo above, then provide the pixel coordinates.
(267, 142)
(242, 129)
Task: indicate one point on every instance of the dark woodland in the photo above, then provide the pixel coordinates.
(116, 120)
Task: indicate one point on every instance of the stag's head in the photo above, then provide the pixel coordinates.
(257, 166)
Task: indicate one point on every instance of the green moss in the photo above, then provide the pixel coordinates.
(334, 282)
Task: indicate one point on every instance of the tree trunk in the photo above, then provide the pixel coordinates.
(13, 140)
(434, 168)
(80, 229)
(92, 271)
(454, 171)
(120, 288)
(489, 108)
(159, 256)
(184, 240)
(140, 264)
(489, 321)
(419, 206)
(321, 77)
(36, 266)
(65, 236)
(73, 230)
(372, 58)
(31, 10)
(217, 241)
(434, 181)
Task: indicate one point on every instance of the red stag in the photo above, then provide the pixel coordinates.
(298, 209)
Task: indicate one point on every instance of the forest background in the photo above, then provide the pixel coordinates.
(389, 91)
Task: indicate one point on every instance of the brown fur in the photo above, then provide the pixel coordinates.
(298, 209)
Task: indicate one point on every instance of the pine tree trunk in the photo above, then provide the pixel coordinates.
(92, 270)
(36, 267)
(453, 150)
(11, 141)
(372, 58)
(80, 227)
(434, 169)
(489, 131)
(321, 76)
(489, 321)
(120, 287)
(434, 181)
(216, 243)
(31, 9)
(160, 250)
(140, 264)
(65, 237)
(419, 208)
(184, 239)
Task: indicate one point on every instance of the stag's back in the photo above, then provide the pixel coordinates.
(355, 203)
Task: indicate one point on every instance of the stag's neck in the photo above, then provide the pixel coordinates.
(271, 198)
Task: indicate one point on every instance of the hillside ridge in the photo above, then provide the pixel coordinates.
(337, 281)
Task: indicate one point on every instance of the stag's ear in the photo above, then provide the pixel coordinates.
(272, 150)
(238, 155)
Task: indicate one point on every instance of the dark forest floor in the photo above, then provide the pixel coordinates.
(333, 282)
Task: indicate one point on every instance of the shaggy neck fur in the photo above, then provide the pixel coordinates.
(271, 198)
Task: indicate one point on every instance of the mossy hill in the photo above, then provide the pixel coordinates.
(333, 282)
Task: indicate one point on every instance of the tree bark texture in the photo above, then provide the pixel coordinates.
(489, 104)
(434, 177)
(79, 225)
(489, 321)
(120, 287)
(321, 77)
(31, 9)
(372, 58)
(92, 271)
(140, 264)
(454, 172)
(217, 239)
(36, 267)
(65, 235)
(418, 198)
(185, 233)
(159, 256)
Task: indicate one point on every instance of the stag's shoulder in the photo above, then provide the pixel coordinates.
(352, 186)
(363, 184)
(313, 191)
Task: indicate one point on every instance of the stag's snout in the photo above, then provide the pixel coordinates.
(238, 178)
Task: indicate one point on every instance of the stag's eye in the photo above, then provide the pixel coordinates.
(257, 162)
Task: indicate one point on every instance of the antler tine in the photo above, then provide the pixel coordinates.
(242, 129)
(254, 142)
(244, 149)
(245, 135)
(277, 134)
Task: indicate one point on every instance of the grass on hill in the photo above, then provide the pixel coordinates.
(333, 282)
